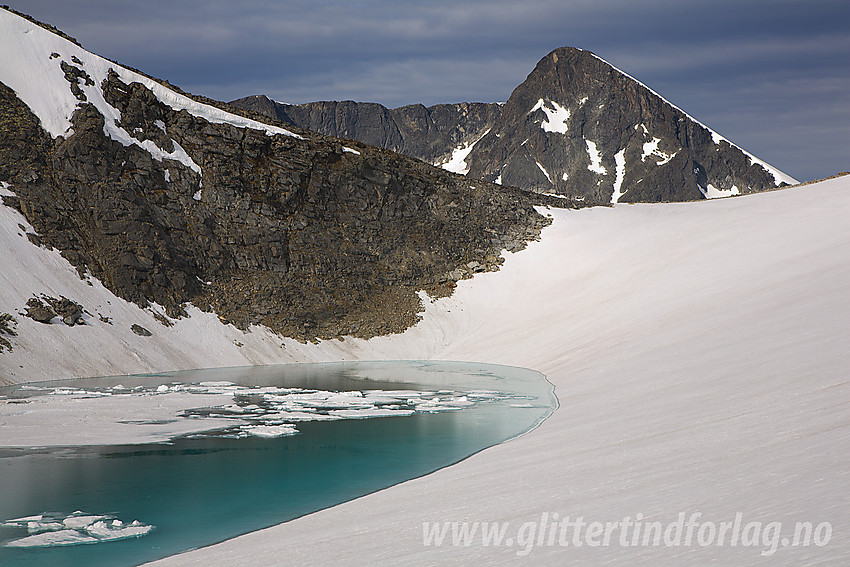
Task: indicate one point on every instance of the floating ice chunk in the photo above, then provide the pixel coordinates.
(23, 521)
(378, 399)
(162, 388)
(431, 407)
(270, 431)
(402, 394)
(76, 522)
(112, 531)
(73, 529)
(216, 383)
(38, 527)
(459, 401)
(53, 539)
(298, 416)
(331, 400)
(484, 395)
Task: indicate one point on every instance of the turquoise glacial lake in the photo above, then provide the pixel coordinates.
(197, 490)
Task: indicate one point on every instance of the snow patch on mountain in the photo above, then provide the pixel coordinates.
(39, 81)
(557, 116)
(106, 344)
(651, 149)
(457, 162)
(595, 159)
(543, 169)
(620, 161)
(712, 192)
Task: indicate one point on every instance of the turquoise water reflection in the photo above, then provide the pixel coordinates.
(204, 490)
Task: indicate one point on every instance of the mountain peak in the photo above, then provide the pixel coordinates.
(577, 127)
(580, 127)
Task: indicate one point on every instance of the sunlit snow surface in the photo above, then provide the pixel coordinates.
(712, 192)
(54, 530)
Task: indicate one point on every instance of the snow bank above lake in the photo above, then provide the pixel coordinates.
(699, 355)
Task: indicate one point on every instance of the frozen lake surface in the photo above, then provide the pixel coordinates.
(234, 450)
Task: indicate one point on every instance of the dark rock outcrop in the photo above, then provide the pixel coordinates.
(7, 324)
(312, 237)
(39, 311)
(45, 308)
(141, 331)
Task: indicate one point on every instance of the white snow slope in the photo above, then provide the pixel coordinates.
(709, 379)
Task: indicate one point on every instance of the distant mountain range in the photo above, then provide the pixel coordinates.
(576, 127)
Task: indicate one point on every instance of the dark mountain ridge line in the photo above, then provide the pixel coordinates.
(426, 133)
(576, 127)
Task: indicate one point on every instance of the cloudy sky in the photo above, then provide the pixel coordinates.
(773, 76)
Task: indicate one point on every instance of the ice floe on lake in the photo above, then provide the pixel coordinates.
(163, 412)
(53, 530)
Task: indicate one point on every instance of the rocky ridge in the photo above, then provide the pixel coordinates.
(308, 235)
(426, 133)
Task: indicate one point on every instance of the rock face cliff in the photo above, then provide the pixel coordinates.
(168, 200)
(576, 127)
(426, 133)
